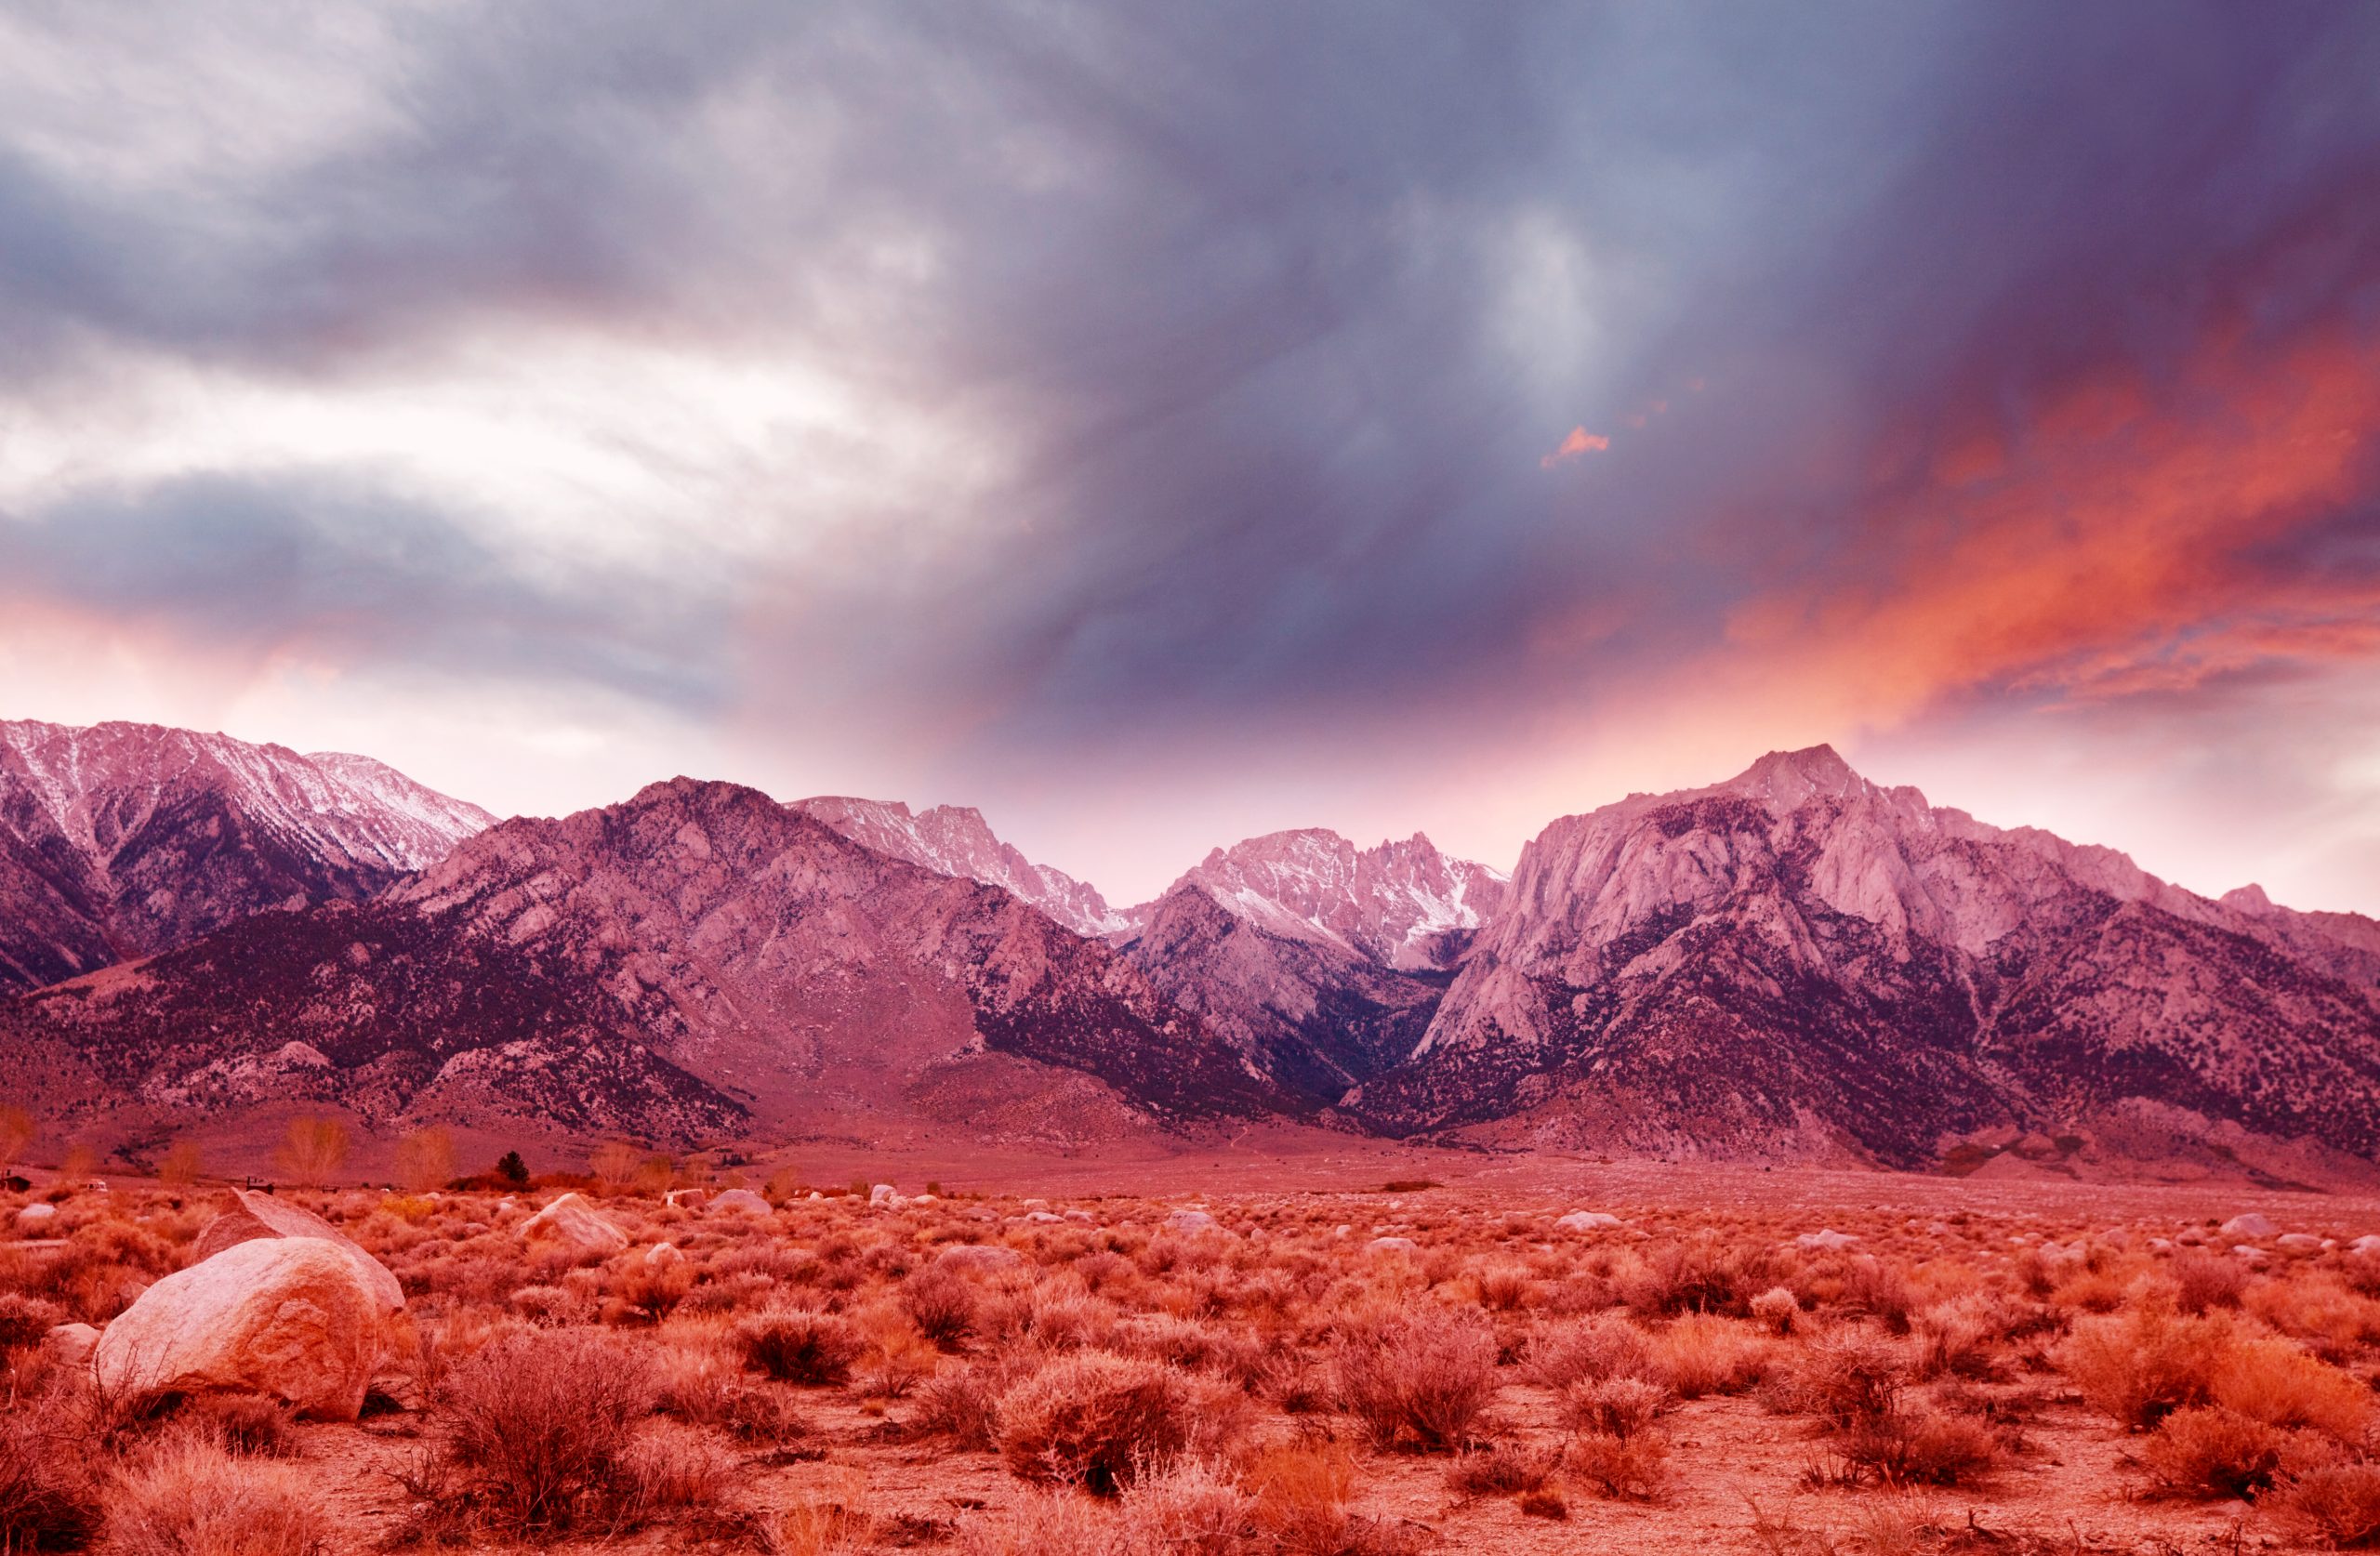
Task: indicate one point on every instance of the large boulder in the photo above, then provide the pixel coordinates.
(291, 1318)
(254, 1215)
(739, 1202)
(1588, 1221)
(2250, 1225)
(1191, 1221)
(574, 1223)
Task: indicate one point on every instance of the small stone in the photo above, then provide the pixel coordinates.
(1191, 1220)
(1826, 1239)
(1588, 1221)
(663, 1255)
(1391, 1244)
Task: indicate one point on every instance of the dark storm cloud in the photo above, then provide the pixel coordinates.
(1278, 309)
(338, 573)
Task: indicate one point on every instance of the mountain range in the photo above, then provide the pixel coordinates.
(1792, 965)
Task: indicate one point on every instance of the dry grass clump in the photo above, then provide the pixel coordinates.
(2204, 1282)
(1587, 1350)
(2273, 1381)
(1191, 1506)
(24, 1320)
(189, 1497)
(1701, 1354)
(49, 1492)
(1422, 1378)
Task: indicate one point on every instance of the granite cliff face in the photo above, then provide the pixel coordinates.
(121, 840)
(1321, 961)
(1798, 962)
(955, 840)
(698, 961)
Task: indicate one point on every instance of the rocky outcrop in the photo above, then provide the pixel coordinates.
(253, 1216)
(1321, 962)
(956, 840)
(289, 1317)
(1798, 962)
(121, 840)
(1401, 905)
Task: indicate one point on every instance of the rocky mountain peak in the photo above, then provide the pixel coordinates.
(121, 839)
(956, 840)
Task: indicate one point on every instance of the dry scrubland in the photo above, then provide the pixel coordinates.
(1428, 1369)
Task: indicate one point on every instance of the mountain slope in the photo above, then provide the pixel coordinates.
(955, 840)
(700, 960)
(121, 840)
(1800, 962)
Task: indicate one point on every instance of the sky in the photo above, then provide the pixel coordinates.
(1158, 424)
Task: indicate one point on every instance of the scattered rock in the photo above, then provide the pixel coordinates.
(1191, 1220)
(254, 1215)
(1391, 1244)
(572, 1222)
(2249, 1225)
(741, 1202)
(1587, 1220)
(2299, 1245)
(37, 1218)
(291, 1318)
(2365, 1246)
(2248, 1251)
(1080, 1218)
(1041, 1218)
(883, 1193)
(662, 1255)
(1827, 1240)
(686, 1199)
(70, 1345)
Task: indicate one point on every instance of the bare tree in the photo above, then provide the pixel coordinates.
(426, 1158)
(16, 1134)
(182, 1164)
(615, 1162)
(314, 1150)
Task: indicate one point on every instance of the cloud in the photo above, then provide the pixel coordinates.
(1579, 442)
(1004, 400)
(332, 573)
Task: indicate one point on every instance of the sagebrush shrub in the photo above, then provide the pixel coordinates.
(543, 1421)
(2141, 1366)
(1419, 1377)
(941, 1304)
(1096, 1420)
(794, 1345)
(2335, 1505)
(2208, 1451)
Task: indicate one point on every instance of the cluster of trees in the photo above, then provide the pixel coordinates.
(315, 1150)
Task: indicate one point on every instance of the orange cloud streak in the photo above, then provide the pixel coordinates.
(2110, 547)
(1579, 442)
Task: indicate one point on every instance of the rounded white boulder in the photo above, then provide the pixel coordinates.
(291, 1318)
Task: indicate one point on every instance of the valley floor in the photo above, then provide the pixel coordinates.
(1331, 1366)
